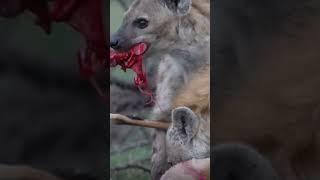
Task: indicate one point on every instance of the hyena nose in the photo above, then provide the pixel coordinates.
(115, 43)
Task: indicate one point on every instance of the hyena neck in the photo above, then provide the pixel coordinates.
(176, 68)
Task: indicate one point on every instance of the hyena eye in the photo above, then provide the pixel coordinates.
(141, 23)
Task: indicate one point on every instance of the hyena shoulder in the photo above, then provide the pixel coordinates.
(196, 93)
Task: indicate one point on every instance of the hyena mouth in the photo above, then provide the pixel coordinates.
(132, 59)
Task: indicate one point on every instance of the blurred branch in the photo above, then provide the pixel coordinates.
(130, 166)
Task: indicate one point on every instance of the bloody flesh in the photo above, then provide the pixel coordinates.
(132, 59)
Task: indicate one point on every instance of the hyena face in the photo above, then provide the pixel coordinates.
(153, 22)
(188, 136)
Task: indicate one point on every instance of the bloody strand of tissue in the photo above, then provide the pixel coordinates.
(133, 59)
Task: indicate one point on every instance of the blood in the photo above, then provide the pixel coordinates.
(133, 59)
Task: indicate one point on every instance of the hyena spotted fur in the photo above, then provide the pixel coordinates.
(178, 31)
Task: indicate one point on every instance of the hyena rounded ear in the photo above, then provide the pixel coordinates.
(179, 7)
(185, 121)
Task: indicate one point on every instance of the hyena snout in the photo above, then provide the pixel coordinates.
(115, 42)
(121, 41)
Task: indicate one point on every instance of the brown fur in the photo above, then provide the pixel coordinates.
(196, 93)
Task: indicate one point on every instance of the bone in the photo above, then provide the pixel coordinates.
(124, 120)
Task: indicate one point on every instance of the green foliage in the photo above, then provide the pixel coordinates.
(137, 156)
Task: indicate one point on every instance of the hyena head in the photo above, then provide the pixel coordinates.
(153, 22)
(188, 136)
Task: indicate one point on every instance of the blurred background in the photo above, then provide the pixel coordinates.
(130, 150)
(50, 118)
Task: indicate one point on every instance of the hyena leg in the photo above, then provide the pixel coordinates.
(159, 163)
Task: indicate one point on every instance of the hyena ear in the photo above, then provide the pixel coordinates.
(179, 7)
(185, 122)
